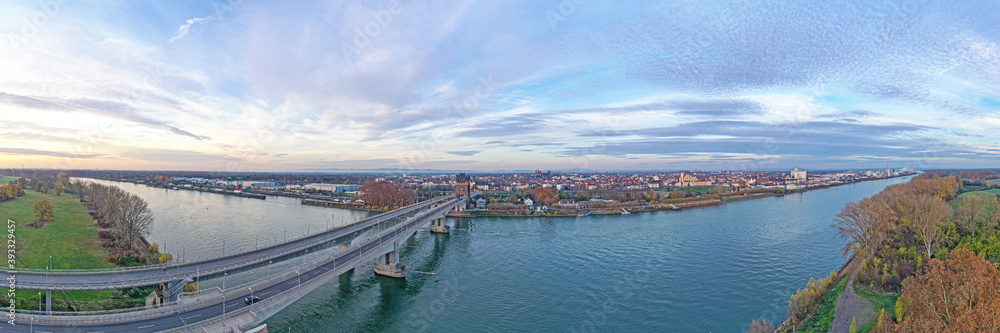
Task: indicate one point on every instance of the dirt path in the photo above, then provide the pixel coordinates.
(851, 306)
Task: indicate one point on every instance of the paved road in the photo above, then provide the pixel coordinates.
(162, 274)
(193, 316)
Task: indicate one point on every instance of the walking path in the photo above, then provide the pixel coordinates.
(850, 306)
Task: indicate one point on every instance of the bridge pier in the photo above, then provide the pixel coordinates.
(48, 302)
(387, 264)
(437, 226)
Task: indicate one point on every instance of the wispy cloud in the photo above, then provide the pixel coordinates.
(28, 151)
(184, 28)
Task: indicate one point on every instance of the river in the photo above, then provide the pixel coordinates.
(707, 269)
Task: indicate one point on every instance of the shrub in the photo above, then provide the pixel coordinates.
(805, 300)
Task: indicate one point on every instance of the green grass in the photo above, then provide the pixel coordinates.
(987, 196)
(821, 319)
(71, 239)
(993, 182)
(887, 302)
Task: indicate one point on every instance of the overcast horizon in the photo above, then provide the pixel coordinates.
(485, 86)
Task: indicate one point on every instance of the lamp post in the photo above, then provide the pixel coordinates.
(224, 293)
(299, 276)
(251, 298)
(269, 268)
(39, 301)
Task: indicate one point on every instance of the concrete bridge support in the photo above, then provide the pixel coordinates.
(437, 226)
(48, 302)
(387, 264)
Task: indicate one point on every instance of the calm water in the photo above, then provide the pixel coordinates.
(697, 270)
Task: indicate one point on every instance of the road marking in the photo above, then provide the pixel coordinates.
(147, 326)
(194, 316)
(182, 319)
(96, 332)
(265, 293)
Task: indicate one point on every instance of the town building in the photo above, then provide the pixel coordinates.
(333, 188)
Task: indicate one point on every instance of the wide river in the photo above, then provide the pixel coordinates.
(708, 269)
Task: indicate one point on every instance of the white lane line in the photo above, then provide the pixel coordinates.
(147, 326)
(194, 316)
(182, 319)
(265, 293)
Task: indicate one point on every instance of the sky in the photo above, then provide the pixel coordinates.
(248, 85)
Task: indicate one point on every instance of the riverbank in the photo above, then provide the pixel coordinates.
(223, 192)
(323, 203)
(675, 205)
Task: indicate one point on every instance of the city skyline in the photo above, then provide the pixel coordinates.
(257, 86)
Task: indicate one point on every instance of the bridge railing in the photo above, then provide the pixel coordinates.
(83, 317)
(397, 230)
(132, 314)
(169, 265)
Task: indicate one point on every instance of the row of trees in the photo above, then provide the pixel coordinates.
(10, 192)
(386, 194)
(913, 211)
(128, 213)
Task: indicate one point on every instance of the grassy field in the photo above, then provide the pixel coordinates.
(993, 182)
(988, 196)
(71, 239)
(821, 319)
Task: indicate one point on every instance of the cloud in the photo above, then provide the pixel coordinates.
(28, 151)
(183, 29)
(464, 152)
(102, 107)
(175, 156)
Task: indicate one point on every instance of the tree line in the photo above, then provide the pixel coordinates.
(125, 212)
(910, 240)
(386, 194)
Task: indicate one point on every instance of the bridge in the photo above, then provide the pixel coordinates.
(223, 308)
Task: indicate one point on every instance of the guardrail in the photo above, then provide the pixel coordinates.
(132, 314)
(194, 267)
(169, 265)
(271, 301)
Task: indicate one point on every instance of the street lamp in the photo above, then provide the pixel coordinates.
(296, 275)
(39, 301)
(224, 293)
(251, 298)
(269, 268)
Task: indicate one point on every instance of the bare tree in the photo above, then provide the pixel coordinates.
(760, 326)
(970, 213)
(864, 223)
(136, 217)
(926, 215)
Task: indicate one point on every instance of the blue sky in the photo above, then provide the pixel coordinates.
(499, 85)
